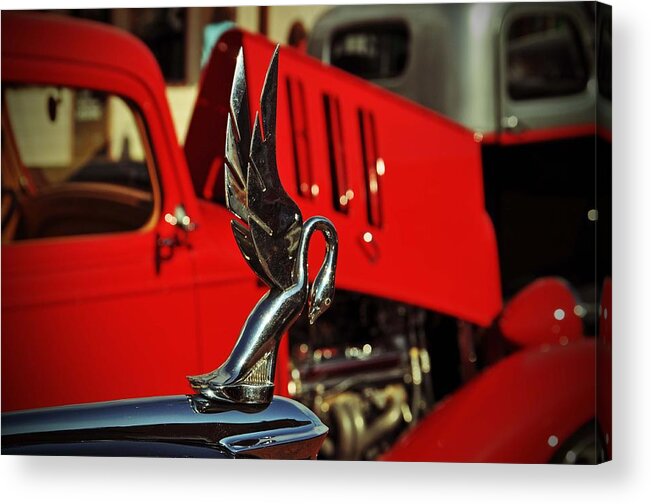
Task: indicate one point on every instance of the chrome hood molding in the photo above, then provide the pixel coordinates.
(174, 426)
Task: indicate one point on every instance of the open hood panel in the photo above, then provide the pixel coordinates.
(402, 185)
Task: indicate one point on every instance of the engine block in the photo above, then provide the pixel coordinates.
(365, 370)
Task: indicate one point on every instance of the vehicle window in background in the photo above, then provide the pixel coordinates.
(372, 52)
(545, 57)
(74, 161)
(164, 32)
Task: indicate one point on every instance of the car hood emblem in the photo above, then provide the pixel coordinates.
(273, 239)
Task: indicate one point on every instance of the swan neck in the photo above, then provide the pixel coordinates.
(311, 225)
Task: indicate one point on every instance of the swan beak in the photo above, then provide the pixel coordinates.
(316, 309)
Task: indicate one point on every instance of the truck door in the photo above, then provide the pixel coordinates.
(97, 296)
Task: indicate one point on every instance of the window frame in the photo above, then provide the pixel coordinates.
(576, 39)
(516, 116)
(390, 22)
(150, 159)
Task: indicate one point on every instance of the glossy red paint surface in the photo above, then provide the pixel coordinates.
(544, 312)
(510, 412)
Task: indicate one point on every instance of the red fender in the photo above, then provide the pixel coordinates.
(545, 311)
(520, 410)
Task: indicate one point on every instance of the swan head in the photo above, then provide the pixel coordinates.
(321, 294)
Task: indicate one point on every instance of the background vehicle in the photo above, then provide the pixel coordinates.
(524, 78)
(122, 255)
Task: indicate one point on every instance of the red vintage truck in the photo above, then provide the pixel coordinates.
(120, 275)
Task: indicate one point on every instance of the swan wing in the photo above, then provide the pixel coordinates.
(271, 222)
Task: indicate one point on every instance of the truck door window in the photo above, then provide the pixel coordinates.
(76, 162)
(373, 166)
(545, 57)
(300, 138)
(376, 51)
(341, 192)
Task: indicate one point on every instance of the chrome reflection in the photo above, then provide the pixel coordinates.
(274, 240)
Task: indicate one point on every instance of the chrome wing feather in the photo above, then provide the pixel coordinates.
(271, 223)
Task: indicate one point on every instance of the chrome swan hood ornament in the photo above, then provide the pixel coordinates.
(274, 240)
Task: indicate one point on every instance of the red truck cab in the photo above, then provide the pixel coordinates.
(88, 314)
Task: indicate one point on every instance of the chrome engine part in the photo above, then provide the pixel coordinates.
(349, 412)
(365, 370)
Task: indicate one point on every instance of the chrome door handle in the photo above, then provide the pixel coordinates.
(180, 219)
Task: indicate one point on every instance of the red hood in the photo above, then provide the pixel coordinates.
(436, 247)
